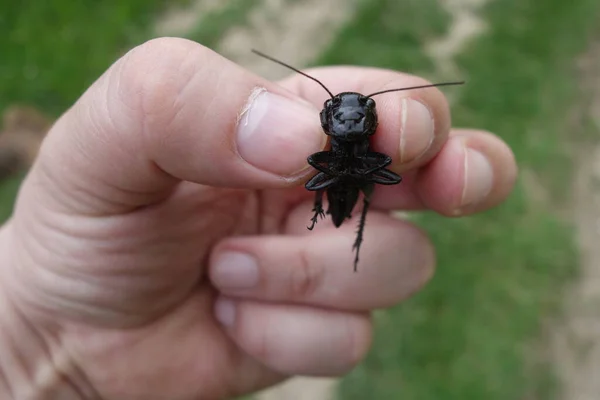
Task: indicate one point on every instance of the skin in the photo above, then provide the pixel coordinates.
(122, 264)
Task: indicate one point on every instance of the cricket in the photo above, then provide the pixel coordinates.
(350, 166)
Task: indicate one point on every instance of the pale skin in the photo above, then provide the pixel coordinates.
(128, 262)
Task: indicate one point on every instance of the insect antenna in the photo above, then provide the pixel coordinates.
(417, 87)
(293, 69)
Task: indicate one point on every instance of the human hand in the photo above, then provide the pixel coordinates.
(158, 247)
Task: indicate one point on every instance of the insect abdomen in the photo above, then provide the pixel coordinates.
(341, 202)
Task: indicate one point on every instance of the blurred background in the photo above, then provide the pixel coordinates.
(513, 311)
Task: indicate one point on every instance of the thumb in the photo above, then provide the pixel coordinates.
(173, 110)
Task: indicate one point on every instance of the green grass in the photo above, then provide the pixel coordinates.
(471, 333)
(214, 25)
(388, 34)
(52, 51)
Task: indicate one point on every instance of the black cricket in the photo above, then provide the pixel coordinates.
(350, 166)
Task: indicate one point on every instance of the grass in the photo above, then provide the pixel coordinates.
(52, 51)
(388, 34)
(214, 25)
(470, 333)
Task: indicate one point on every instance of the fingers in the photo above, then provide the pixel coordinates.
(473, 171)
(296, 340)
(396, 259)
(488, 175)
(413, 124)
(293, 302)
(456, 173)
(173, 110)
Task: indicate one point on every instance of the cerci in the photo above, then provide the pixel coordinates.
(349, 166)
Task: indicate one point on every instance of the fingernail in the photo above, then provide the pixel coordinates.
(225, 312)
(478, 178)
(416, 130)
(234, 270)
(277, 134)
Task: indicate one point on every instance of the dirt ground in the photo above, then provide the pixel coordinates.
(576, 338)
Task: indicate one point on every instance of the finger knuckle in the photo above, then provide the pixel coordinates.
(427, 258)
(358, 339)
(257, 340)
(307, 277)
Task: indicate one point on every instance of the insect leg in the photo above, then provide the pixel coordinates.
(320, 181)
(320, 161)
(375, 161)
(385, 177)
(376, 172)
(318, 210)
(368, 191)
